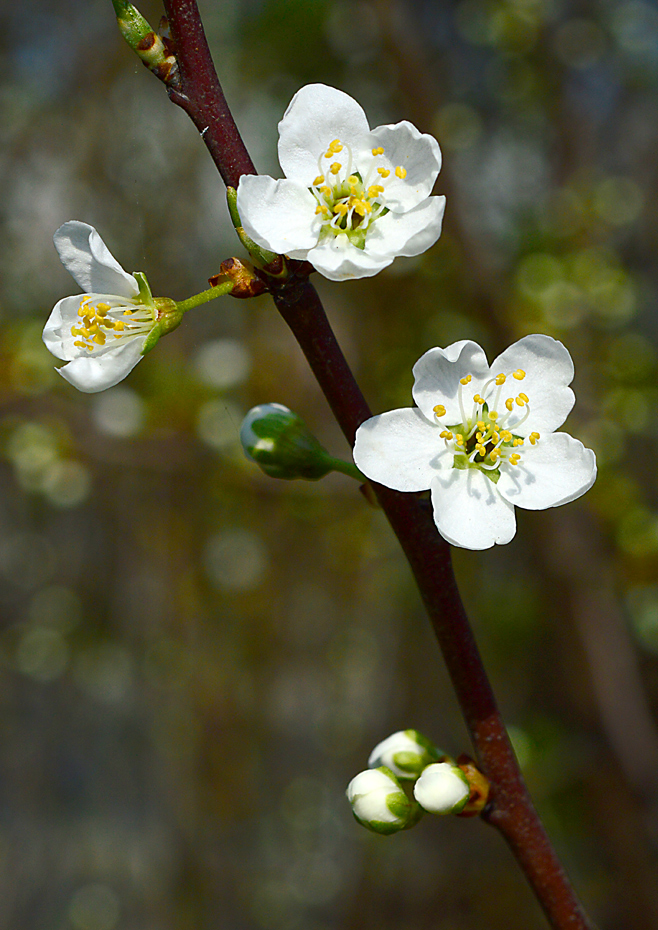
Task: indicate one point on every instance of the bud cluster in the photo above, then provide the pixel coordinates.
(408, 775)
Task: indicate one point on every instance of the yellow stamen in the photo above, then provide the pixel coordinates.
(509, 403)
(466, 379)
(352, 179)
(341, 208)
(519, 374)
(322, 209)
(384, 172)
(378, 151)
(517, 442)
(459, 439)
(445, 434)
(400, 172)
(335, 168)
(533, 437)
(500, 379)
(514, 458)
(440, 410)
(481, 424)
(318, 180)
(334, 148)
(520, 400)
(478, 398)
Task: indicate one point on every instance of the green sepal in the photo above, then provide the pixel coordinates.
(132, 25)
(435, 754)
(168, 318)
(459, 807)
(381, 826)
(145, 295)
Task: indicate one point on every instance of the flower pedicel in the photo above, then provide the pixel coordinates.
(482, 438)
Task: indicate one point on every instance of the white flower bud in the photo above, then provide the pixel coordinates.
(442, 789)
(406, 753)
(379, 803)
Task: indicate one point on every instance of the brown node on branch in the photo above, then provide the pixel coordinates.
(246, 282)
(478, 784)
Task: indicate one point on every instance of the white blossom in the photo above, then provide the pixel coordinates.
(482, 438)
(442, 789)
(378, 802)
(352, 198)
(101, 333)
(405, 753)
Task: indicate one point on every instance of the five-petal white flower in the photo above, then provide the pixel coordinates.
(100, 334)
(353, 198)
(482, 438)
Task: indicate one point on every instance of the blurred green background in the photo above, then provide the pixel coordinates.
(195, 659)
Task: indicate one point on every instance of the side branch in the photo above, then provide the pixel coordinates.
(201, 95)
(510, 808)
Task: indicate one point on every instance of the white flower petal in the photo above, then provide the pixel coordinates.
(52, 331)
(468, 510)
(401, 450)
(317, 115)
(441, 788)
(418, 153)
(337, 259)
(86, 257)
(437, 375)
(556, 470)
(407, 233)
(90, 374)
(549, 369)
(278, 215)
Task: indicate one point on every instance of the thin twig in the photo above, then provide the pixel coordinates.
(510, 808)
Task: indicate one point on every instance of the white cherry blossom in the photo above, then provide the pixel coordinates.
(101, 334)
(482, 438)
(352, 198)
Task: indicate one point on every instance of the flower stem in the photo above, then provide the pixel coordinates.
(346, 468)
(202, 298)
(510, 808)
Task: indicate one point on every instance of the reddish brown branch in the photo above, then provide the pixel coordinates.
(510, 808)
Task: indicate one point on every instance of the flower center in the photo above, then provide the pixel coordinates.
(486, 438)
(348, 203)
(100, 320)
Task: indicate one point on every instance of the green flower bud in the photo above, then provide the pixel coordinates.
(406, 753)
(442, 789)
(379, 802)
(281, 443)
(154, 51)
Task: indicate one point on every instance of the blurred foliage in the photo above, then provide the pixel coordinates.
(195, 659)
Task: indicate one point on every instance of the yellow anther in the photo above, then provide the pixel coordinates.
(523, 397)
(127, 312)
(341, 208)
(514, 458)
(352, 179)
(533, 437)
(494, 454)
(466, 379)
(509, 403)
(481, 424)
(517, 442)
(318, 180)
(481, 449)
(335, 168)
(479, 436)
(383, 172)
(445, 434)
(500, 379)
(81, 345)
(361, 207)
(102, 308)
(493, 414)
(120, 325)
(334, 148)
(322, 209)
(439, 410)
(459, 439)
(326, 191)
(400, 172)
(507, 436)
(378, 151)
(100, 339)
(519, 374)
(520, 401)
(495, 437)
(478, 398)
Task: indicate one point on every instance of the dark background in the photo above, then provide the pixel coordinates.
(195, 659)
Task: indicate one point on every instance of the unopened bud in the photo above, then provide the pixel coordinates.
(242, 275)
(379, 803)
(442, 789)
(154, 51)
(281, 443)
(406, 753)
